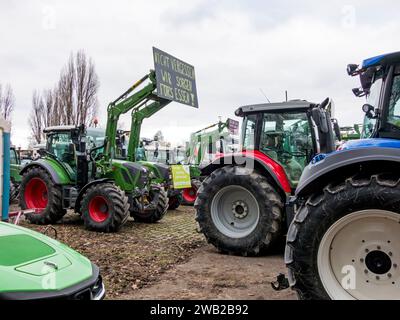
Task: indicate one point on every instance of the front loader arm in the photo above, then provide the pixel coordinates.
(124, 104)
(138, 115)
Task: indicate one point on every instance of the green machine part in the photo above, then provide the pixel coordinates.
(137, 103)
(15, 177)
(33, 266)
(351, 133)
(203, 139)
(142, 104)
(15, 166)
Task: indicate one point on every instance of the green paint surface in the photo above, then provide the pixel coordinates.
(20, 248)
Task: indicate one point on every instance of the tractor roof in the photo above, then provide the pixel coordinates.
(67, 128)
(59, 128)
(381, 60)
(279, 106)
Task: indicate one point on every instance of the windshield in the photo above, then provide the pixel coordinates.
(286, 138)
(373, 100)
(94, 138)
(61, 146)
(13, 157)
(394, 102)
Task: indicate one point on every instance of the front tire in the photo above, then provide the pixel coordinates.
(174, 202)
(344, 243)
(38, 191)
(239, 211)
(157, 209)
(104, 208)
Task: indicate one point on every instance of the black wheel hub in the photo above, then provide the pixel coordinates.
(239, 209)
(378, 262)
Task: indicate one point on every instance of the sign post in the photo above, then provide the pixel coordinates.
(233, 126)
(176, 79)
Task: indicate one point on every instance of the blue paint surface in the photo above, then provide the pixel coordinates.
(373, 61)
(6, 175)
(374, 142)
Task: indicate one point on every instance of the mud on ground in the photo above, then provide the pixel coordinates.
(168, 260)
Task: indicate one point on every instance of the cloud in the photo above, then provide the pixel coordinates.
(237, 48)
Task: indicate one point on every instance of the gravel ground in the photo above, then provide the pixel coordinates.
(168, 260)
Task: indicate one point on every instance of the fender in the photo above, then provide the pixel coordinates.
(83, 190)
(56, 172)
(253, 158)
(323, 167)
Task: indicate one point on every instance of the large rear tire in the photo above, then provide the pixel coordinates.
(344, 242)
(104, 208)
(238, 211)
(38, 191)
(159, 206)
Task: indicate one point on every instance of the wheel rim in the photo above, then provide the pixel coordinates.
(359, 256)
(36, 195)
(235, 211)
(190, 194)
(98, 209)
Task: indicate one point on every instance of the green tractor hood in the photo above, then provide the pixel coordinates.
(33, 266)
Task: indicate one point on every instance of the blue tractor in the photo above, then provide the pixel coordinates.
(344, 241)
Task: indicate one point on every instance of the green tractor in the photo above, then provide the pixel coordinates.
(15, 177)
(205, 143)
(82, 169)
(204, 146)
(150, 152)
(67, 177)
(351, 133)
(172, 80)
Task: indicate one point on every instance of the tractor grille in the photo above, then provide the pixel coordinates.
(94, 292)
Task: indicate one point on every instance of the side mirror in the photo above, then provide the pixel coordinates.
(352, 69)
(359, 92)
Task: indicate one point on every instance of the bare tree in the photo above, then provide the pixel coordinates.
(7, 101)
(72, 101)
(36, 117)
(77, 90)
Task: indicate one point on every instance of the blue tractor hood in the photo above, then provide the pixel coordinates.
(368, 143)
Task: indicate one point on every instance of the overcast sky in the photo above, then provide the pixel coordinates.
(238, 48)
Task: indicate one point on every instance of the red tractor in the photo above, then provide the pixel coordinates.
(243, 206)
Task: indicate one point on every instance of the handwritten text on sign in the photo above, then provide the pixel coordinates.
(176, 79)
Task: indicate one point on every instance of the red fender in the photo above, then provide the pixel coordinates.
(271, 164)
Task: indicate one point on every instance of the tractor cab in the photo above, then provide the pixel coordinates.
(380, 84)
(290, 133)
(244, 204)
(67, 144)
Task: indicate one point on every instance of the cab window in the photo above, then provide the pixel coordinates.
(286, 139)
(249, 132)
(394, 102)
(13, 157)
